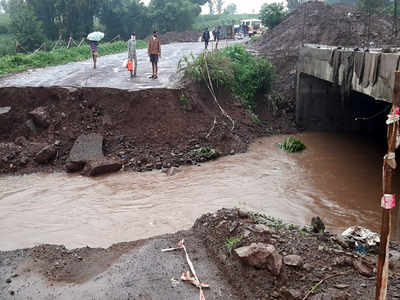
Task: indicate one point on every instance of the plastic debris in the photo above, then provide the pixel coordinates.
(362, 234)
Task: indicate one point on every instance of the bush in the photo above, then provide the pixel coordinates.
(20, 62)
(232, 68)
(292, 144)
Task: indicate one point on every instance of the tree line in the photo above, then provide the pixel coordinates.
(34, 21)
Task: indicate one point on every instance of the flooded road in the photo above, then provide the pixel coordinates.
(337, 178)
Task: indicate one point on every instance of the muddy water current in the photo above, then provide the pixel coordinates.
(338, 178)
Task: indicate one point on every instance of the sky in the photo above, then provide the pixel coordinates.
(244, 6)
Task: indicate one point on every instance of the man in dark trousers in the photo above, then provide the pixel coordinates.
(154, 51)
(206, 38)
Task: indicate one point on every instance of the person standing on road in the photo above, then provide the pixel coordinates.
(154, 51)
(216, 34)
(206, 38)
(93, 47)
(132, 58)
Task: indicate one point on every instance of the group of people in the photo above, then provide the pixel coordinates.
(153, 50)
(206, 37)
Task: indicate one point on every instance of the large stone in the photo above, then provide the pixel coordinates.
(46, 154)
(101, 166)
(256, 254)
(363, 268)
(86, 148)
(293, 260)
(274, 263)
(40, 116)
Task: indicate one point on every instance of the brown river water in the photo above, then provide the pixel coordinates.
(337, 177)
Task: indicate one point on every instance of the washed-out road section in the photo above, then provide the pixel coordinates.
(110, 71)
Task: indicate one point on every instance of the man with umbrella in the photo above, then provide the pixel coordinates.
(94, 39)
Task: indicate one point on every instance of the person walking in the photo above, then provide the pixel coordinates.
(93, 47)
(206, 38)
(154, 51)
(132, 58)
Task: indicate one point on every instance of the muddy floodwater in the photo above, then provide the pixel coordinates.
(338, 178)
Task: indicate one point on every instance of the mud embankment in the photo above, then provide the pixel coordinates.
(241, 255)
(149, 129)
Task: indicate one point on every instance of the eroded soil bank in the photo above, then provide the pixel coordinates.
(299, 259)
(146, 129)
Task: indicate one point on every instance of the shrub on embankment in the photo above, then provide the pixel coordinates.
(234, 69)
(21, 62)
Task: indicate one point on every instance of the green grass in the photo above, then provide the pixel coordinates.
(292, 144)
(231, 244)
(210, 21)
(21, 62)
(234, 69)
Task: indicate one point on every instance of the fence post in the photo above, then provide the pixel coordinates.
(388, 198)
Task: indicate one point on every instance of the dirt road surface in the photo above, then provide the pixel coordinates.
(110, 71)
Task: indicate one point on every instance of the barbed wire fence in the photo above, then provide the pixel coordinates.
(59, 44)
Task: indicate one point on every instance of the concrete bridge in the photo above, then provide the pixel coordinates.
(341, 89)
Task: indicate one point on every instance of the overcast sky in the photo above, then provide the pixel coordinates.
(244, 6)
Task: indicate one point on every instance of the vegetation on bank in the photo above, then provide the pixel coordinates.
(292, 144)
(234, 69)
(21, 62)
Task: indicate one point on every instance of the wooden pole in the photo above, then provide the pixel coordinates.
(389, 164)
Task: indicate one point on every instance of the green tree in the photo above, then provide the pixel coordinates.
(219, 5)
(272, 14)
(173, 15)
(124, 17)
(230, 9)
(210, 7)
(24, 24)
(46, 12)
(371, 5)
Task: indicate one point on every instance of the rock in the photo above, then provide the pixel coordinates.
(256, 254)
(21, 140)
(293, 260)
(71, 166)
(291, 294)
(243, 213)
(363, 268)
(274, 263)
(101, 166)
(40, 116)
(8, 280)
(31, 127)
(260, 228)
(308, 267)
(341, 286)
(86, 148)
(4, 110)
(341, 241)
(173, 171)
(46, 154)
(317, 225)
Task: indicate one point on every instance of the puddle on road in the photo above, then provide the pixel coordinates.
(337, 178)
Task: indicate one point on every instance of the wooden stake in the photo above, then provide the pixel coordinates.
(388, 166)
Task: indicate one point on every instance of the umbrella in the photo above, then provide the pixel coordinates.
(95, 36)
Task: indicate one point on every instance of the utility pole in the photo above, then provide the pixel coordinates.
(388, 198)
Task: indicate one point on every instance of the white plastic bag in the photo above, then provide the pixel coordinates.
(125, 63)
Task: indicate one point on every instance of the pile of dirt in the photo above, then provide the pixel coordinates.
(242, 255)
(317, 23)
(149, 129)
(180, 37)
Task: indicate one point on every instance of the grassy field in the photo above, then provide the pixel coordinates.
(211, 21)
(21, 62)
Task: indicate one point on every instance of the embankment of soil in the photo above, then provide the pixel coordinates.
(318, 23)
(149, 129)
(288, 262)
